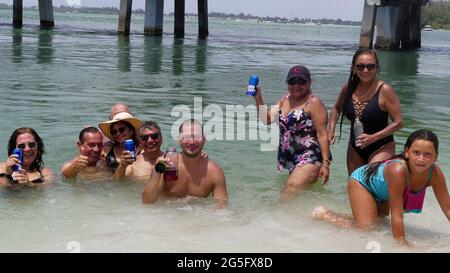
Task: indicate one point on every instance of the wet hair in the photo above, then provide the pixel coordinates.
(421, 134)
(89, 129)
(133, 131)
(190, 121)
(38, 162)
(150, 125)
(353, 81)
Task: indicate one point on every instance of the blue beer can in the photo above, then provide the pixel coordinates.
(129, 146)
(252, 83)
(19, 153)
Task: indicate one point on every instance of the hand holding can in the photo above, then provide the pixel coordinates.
(129, 146)
(252, 84)
(19, 153)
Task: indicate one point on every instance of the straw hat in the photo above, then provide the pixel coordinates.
(105, 126)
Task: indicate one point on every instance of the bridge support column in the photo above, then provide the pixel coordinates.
(17, 13)
(388, 19)
(368, 26)
(179, 18)
(154, 13)
(416, 30)
(203, 19)
(124, 17)
(46, 13)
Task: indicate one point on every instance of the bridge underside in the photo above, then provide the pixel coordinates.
(397, 24)
(154, 13)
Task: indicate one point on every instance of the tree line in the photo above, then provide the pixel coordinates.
(437, 15)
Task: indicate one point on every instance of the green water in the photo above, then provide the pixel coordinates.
(58, 81)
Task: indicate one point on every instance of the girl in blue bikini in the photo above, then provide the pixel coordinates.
(304, 148)
(396, 185)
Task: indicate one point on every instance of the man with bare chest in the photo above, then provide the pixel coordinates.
(150, 140)
(197, 175)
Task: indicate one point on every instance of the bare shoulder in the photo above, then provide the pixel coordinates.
(344, 87)
(395, 171)
(316, 100)
(47, 172)
(214, 169)
(387, 90)
(437, 176)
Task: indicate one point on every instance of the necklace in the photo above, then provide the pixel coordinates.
(368, 95)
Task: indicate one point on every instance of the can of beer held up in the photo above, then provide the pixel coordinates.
(19, 153)
(251, 87)
(129, 146)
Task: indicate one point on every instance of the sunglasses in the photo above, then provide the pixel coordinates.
(115, 131)
(32, 145)
(361, 67)
(296, 80)
(153, 136)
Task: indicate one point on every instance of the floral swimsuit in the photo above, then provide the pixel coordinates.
(298, 140)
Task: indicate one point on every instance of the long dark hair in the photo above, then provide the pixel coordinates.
(421, 134)
(353, 81)
(38, 162)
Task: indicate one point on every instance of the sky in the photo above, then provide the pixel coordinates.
(314, 9)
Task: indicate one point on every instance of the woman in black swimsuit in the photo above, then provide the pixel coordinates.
(368, 103)
(32, 172)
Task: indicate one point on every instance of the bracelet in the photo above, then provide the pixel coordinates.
(326, 160)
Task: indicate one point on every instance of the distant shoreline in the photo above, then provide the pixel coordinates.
(241, 16)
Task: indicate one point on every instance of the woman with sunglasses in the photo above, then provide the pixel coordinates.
(304, 148)
(32, 171)
(123, 126)
(150, 140)
(368, 103)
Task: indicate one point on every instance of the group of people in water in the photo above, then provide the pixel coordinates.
(381, 182)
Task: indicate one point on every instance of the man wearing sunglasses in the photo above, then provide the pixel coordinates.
(87, 165)
(150, 140)
(197, 175)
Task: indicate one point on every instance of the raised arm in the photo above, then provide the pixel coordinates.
(267, 117)
(155, 185)
(335, 113)
(124, 168)
(441, 191)
(70, 169)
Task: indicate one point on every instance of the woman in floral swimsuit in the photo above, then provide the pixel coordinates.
(304, 147)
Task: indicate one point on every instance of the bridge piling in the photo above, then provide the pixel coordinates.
(203, 31)
(17, 13)
(397, 24)
(179, 18)
(154, 13)
(388, 18)
(124, 17)
(46, 13)
(368, 25)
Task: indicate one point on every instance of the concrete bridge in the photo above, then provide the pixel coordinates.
(397, 21)
(397, 24)
(154, 12)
